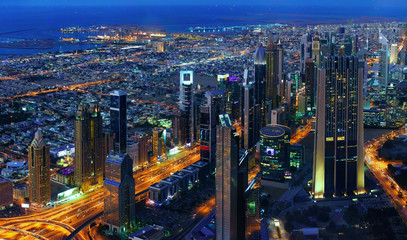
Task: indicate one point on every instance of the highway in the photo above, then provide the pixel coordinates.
(378, 167)
(60, 221)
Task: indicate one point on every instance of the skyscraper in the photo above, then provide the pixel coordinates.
(305, 50)
(310, 84)
(316, 50)
(274, 152)
(159, 142)
(230, 85)
(273, 75)
(338, 155)
(118, 119)
(39, 175)
(209, 120)
(227, 161)
(186, 100)
(383, 62)
(119, 189)
(89, 157)
(250, 124)
(259, 83)
(393, 53)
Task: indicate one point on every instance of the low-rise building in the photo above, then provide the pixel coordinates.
(149, 232)
(158, 193)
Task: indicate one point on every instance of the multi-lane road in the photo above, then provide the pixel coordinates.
(60, 221)
(378, 167)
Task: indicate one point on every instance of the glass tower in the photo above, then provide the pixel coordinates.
(118, 120)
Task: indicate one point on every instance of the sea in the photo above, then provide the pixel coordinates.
(45, 22)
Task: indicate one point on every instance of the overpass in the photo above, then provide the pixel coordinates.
(85, 224)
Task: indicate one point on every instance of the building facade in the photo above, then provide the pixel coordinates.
(39, 172)
(338, 153)
(89, 139)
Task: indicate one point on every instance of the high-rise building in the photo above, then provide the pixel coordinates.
(39, 172)
(259, 83)
(273, 75)
(89, 162)
(119, 189)
(227, 162)
(159, 139)
(231, 86)
(186, 99)
(310, 84)
(348, 46)
(108, 144)
(160, 46)
(118, 119)
(393, 53)
(209, 120)
(297, 156)
(274, 152)
(143, 147)
(316, 50)
(249, 122)
(383, 62)
(305, 50)
(338, 154)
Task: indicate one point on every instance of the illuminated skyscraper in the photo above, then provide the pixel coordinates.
(274, 152)
(348, 46)
(39, 172)
(273, 76)
(310, 84)
(393, 53)
(186, 99)
(338, 154)
(383, 62)
(316, 50)
(231, 86)
(118, 120)
(159, 142)
(250, 124)
(305, 50)
(89, 157)
(259, 83)
(227, 161)
(119, 188)
(209, 120)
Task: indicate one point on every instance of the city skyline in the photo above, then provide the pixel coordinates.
(203, 120)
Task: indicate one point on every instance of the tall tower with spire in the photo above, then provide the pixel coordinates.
(273, 76)
(259, 82)
(39, 174)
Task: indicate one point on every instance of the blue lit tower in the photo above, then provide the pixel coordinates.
(118, 120)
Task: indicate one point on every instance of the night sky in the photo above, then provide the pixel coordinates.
(327, 3)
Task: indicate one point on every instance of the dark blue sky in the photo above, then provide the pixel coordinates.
(328, 3)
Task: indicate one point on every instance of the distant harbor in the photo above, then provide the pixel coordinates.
(232, 28)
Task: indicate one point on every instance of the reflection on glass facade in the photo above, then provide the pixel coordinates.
(274, 152)
(119, 189)
(118, 120)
